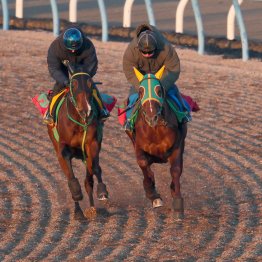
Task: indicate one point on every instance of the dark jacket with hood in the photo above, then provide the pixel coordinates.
(164, 55)
(57, 52)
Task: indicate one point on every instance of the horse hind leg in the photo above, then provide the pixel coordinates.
(176, 171)
(101, 192)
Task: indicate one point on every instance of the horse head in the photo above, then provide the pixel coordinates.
(151, 95)
(81, 89)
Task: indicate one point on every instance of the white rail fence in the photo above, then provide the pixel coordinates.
(234, 12)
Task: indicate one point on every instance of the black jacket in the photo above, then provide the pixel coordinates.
(57, 53)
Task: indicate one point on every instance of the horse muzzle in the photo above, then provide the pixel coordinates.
(84, 114)
(152, 121)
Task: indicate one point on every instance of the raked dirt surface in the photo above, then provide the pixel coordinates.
(221, 181)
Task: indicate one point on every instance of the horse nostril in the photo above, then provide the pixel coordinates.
(155, 118)
(83, 113)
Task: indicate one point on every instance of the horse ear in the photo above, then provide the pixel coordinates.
(160, 72)
(138, 74)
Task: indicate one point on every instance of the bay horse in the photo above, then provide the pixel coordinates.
(80, 136)
(158, 138)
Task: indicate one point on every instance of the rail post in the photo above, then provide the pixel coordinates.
(242, 29)
(200, 30)
(180, 16)
(73, 11)
(127, 13)
(103, 15)
(150, 12)
(231, 22)
(56, 26)
(19, 5)
(5, 15)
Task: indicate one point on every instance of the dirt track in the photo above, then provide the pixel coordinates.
(221, 182)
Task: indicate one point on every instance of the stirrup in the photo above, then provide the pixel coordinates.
(127, 126)
(104, 114)
(187, 118)
(48, 119)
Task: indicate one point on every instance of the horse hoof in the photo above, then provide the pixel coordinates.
(178, 204)
(157, 203)
(79, 216)
(90, 213)
(102, 193)
(102, 197)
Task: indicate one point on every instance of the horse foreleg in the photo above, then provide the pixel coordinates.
(176, 161)
(64, 159)
(94, 168)
(149, 179)
(89, 185)
(78, 214)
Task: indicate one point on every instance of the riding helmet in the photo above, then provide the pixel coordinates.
(73, 39)
(147, 41)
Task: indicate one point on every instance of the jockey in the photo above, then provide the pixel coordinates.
(73, 46)
(148, 52)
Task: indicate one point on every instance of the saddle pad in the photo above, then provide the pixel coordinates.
(41, 102)
(121, 115)
(192, 104)
(108, 101)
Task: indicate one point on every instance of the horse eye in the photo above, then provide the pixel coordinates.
(158, 92)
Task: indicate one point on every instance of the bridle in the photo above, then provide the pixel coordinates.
(88, 118)
(150, 95)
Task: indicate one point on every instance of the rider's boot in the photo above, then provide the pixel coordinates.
(127, 126)
(187, 117)
(47, 118)
(104, 113)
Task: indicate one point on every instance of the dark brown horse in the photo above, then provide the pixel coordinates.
(79, 136)
(158, 138)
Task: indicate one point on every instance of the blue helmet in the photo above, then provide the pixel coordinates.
(73, 39)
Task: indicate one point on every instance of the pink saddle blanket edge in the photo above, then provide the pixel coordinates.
(193, 104)
(40, 105)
